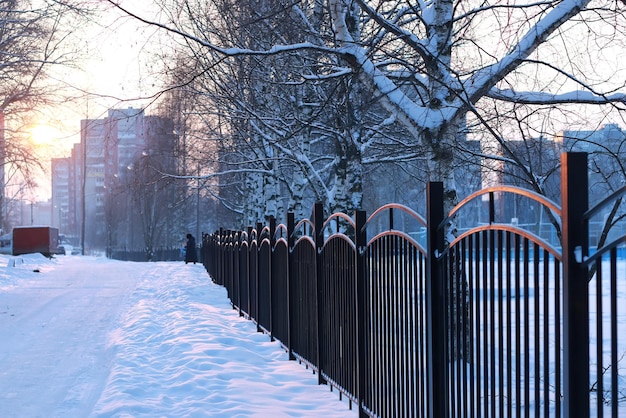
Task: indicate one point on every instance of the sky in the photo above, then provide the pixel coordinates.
(114, 69)
(90, 337)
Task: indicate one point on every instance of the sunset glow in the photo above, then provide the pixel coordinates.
(44, 134)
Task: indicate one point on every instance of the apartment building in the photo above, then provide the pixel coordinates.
(88, 207)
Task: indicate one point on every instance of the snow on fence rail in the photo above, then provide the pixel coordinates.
(496, 323)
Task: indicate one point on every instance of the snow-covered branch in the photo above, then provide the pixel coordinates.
(407, 37)
(545, 98)
(228, 52)
(483, 80)
(415, 117)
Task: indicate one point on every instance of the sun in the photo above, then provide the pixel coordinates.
(43, 134)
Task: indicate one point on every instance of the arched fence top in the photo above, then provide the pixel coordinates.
(605, 202)
(281, 232)
(337, 217)
(305, 238)
(265, 229)
(229, 237)
(302, 225)
(341, 236)
(596, 256)
(509, 228)
(506, 189)
(390, 207)
(264, 235)
(256, 233)
(402, 235)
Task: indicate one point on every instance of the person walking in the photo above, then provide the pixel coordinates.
(191, 256)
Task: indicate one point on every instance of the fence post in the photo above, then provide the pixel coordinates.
(361, 308)
(229, 264)
(291, 223)
(318, 224)
(222, 256)
(237, 269)
(436, 327)
(575, 202)
(272, 243)
(259, 227)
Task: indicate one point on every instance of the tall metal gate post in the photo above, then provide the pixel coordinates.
(361, 309)
(291, 223)
(222, 256)
(318, 224)
(257, 315)
(271, 266)
(435, 305)
(575, 202)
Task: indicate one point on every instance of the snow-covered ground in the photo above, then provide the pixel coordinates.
(91, 337)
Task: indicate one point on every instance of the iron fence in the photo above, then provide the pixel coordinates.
(158, 254)
(492, 322)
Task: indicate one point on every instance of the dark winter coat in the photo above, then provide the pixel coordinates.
(191, 256)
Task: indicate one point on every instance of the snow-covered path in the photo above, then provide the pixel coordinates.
(54, 329)
(95, 337)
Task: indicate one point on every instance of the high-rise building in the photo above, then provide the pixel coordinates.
(518, 162)
(93, 140)
(60, 168)
(108, 150)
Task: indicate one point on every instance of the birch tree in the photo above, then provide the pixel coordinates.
(439, 68)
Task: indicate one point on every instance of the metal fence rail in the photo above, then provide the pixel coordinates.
(158, 254)
(495, 323)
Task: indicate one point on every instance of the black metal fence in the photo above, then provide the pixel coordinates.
(158, 254)
(492, 322)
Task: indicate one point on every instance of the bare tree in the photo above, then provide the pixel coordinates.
(150, 205)
(33, 40)
(438, 68)
(289, 141)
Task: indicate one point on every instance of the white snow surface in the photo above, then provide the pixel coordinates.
(92, 337)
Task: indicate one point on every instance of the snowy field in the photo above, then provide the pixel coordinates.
(91, 337)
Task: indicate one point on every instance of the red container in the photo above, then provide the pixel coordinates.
(35, 239)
